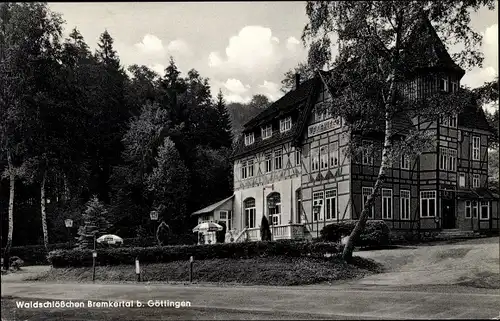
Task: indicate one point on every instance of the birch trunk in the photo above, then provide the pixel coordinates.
(360, 226)
(12, 180)
(44, 213)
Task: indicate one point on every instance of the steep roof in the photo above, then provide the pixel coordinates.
(429, 51)
(473, 117)
(294, 101)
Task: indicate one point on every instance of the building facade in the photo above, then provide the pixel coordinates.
(292, 166)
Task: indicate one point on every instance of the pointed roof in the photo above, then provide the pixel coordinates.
(429, 51)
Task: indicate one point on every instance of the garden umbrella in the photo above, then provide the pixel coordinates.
(109, 239)
(208, 227)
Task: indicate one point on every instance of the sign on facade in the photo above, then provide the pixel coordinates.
(324, 126)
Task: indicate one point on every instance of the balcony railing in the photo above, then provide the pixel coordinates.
(279, 232)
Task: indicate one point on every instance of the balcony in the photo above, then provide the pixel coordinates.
(279, 232)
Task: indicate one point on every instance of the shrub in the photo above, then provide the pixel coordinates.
(15, 263)
(376, 233)
(164, 254)
(265, 231)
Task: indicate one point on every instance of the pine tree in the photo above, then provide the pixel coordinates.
(265, 231)
(95, 223)
(106, 53)
(224, 130)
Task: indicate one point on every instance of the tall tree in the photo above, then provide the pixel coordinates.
(31, 50)
(380, 44)
(224, 134)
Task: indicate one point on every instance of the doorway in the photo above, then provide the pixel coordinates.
(448, 213)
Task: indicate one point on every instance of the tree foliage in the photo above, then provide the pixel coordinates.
(95, 223)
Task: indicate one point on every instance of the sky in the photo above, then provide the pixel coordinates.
(244, 48)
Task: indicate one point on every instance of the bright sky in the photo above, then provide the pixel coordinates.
(244, 48)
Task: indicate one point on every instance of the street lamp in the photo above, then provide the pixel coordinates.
(153, 215)
(69, 224)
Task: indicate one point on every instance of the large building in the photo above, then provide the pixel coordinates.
(291, 165)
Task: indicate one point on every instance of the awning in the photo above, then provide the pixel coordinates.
(477, 193)
(212, 207)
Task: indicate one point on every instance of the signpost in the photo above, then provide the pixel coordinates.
(191, 260)
(137, 269)
(94, 255)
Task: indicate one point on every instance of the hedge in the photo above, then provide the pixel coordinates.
(376, 233)
(164, 254)
(34, 254)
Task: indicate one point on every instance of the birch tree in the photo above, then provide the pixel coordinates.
(379, 44)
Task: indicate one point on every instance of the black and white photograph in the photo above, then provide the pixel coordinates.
(249, 160)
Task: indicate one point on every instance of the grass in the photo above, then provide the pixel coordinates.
(255, 271)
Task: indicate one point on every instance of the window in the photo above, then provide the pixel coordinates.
(485, 210)
(249, 139)
(405, 162)
(449, 121)
(404, 206)
(474, 209)
(268, 162)
(475, 180)
(443, 84)
(367, 153)
(334, 154)
(453, 121)
(315, 159)
(317, 201)
(278, 159)
(267, 131)
(386, 203)
(468, 209)
(285, 124)
(461, 180)
(454, 86)
(223, 215)
(274, 205)
(367, 191)
(323, 152)
(250, 213)
(250, 168)
(427, 203)
(243, 169)
(319, 113)
(298, 157)
(331, 204)
(448, 159)
(298, 196)
(476, 142)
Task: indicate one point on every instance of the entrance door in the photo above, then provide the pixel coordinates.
(448, 213)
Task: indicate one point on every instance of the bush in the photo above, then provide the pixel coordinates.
(376, 233)
(15, 263)
(164, 254)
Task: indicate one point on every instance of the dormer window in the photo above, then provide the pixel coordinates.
(267, 132)
(444, 84)
(285, 124)
(249, 139)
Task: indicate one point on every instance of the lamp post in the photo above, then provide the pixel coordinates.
(69, 224)
(316, 210)
(153, 215)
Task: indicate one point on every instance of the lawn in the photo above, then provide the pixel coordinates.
(254, 271)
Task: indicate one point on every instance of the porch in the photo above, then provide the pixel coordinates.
(278, 232)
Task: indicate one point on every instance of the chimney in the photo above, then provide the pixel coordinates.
(297, 80)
